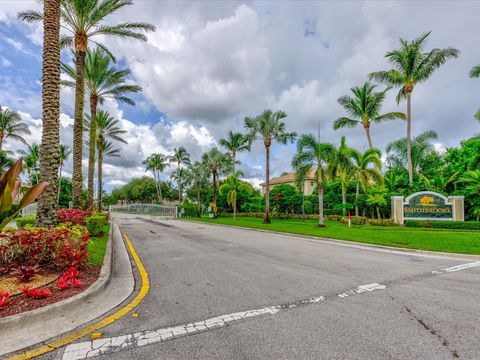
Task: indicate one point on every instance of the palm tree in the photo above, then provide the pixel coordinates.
(411, 66)
(180, 157)
(6, 162)
(363, 173)
(196, 175)
(234, 143)
(156, 163)
(376, 198)
(85, 20)
(11, 126)
(318, 156)
(364, 108)
(102, 81)
(217, 163)
(107, 128)
(231, 187)
(31, 160)
(475, 73)
(420, 147)
(471, 181)
(342, 167)
(268, 127)
(65, 152)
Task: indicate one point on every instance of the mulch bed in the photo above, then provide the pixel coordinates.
(20, 304)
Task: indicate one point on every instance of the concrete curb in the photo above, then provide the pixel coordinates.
(25, 318)
(353, 244)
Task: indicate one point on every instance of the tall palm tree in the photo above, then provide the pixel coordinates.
(216, 163)
(197, 177)
(420, 147)
(363, 173)
(31, 160)
(234, 143)
(411, 66)
(180, 157)
(107, 128)
(65, 152)
(268, 127)
(157, 163)
(343, 169)
(364, 108)
(318, 156)
(85, 20)
(475, 73)
(102, 81)
(231, 187)
(11, 126)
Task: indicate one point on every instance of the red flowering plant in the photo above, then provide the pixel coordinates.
(72, 216)
(25, 273)
(69, 278)
(4, 299)
(38, 293)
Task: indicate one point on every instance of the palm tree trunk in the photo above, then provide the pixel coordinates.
(159, 186)
(214, 192)
(344, 197)
(235, 208)
(198, 200)
(266, 219)
(91, 148)
(156, 184)
(378, 213)
(59, 184)
(77, 179)
(1, 143)
(321, 221)
(234, 154)
(357, 194)
(179, 185)
(99, 173)
(409, 138)
(50, 146)
(369, 138)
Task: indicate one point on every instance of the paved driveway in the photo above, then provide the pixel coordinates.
(226, 293)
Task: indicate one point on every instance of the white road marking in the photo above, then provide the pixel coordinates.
(458, 268)
(93, 348)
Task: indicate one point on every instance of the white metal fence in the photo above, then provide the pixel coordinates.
(153, 210)
(30, 210)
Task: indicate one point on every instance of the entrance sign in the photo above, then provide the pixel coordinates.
(427, 205)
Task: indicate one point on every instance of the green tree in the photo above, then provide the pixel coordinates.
(216, 163)
(268, 127)
(475, 73)
(471, 182)
(376, 198)
(180, 157)
(157, 163)
(343, 168)
(107, 129)
(31, 160)
(364, 108)
(196, 175)
(65, 152)
(411, 66)
(102, 81)
(85, 20)
(231, 187)
(234, 143)
(312, 154)
(11, 126)
(6, 162)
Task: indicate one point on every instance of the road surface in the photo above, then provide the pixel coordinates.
(228, 293)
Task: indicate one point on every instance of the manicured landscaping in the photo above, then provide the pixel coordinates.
(454, 241)
(97, 246)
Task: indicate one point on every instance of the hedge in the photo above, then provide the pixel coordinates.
(468, 225)
(382, 222)
(24, 221)
(95, 223)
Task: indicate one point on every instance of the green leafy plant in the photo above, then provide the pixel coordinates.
(25, 221)
(95, 224)
(9, 187)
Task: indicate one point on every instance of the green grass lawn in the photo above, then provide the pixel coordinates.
(97, 246)
(454, 241)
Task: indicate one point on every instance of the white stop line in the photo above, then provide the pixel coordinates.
(458, 268)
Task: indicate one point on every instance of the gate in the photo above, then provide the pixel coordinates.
(160, 212)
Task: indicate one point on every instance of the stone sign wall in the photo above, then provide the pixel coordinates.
(427, 205)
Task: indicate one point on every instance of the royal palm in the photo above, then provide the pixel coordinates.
(157, 163)
(318, 156)
(268, 127)
(84, 21)
(234, 143)
(102, 81)
(180, 157)
(216, 163)
(411, 66)
(11, 126)
(106, 128)
(364, 109)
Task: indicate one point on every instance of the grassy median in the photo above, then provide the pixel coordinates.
(454, 241)
(97, 246)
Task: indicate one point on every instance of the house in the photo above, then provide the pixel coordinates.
(308, 186)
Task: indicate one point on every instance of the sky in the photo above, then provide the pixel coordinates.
(211, 63)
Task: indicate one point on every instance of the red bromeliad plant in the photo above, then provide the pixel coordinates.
(24, 273)
(9, 187)
(73, 216)
(4, 299)
(38, 293)
(69, 278)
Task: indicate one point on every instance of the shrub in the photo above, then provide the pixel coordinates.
(4, 299)
(439, 224)
(24, 221)
(59, 248)
(69, 278)
(381, 222)
(25, 273)
(355, 220)
(73, 216)
(95, 223)
(333, 217)
(38, 293)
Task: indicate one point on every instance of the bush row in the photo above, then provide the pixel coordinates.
(467, 225)
(25, 221)
(96, 223)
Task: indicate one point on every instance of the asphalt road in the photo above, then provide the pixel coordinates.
(310, 297)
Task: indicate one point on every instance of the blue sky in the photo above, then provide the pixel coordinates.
(211, 63)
